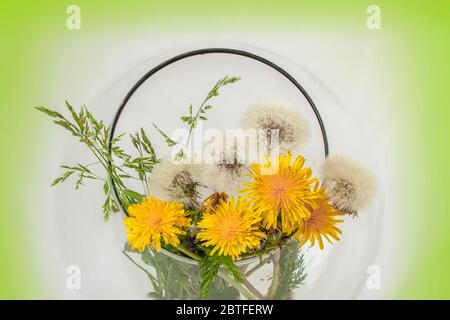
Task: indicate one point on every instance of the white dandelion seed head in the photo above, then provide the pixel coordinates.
(225, 174)
(293, 128)
(167, 176)
(349, 185)
(230, 155)
(227, 178)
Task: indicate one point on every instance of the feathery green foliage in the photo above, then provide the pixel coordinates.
(292, 270)
(209, 267)
(172, 279)
(192, 119)
(108, 154)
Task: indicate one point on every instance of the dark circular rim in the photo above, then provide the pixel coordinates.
(188, 54)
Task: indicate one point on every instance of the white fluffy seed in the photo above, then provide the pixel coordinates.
(349, 185)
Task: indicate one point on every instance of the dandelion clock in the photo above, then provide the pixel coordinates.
(224, 173)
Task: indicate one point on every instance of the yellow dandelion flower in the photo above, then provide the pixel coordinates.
(288, 192)
(153, 220)
(321, 223)
(231, 228)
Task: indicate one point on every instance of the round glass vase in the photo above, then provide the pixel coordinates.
(262, 78)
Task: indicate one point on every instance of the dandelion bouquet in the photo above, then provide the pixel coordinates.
(259, 205)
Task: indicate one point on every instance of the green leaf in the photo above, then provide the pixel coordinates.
(84, 168)
(169, 141)
(72, 112)
(180, 155)
(118, 152)
(61, 179)
(109, 202)
(135, 140)
(147, 144)
(63, 123)
(292, 270)
(95, 135)
(79, 182)
(173, 279)
(233, 269)
(209, 267)
(117, 138)
(187, 120)
(49, 112)
(133, 194)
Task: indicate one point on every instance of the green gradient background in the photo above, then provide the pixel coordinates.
(420, 85)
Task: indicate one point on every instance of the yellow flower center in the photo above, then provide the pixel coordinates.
(287, 193)
(154, 221)
(231, 229)
(279, 187)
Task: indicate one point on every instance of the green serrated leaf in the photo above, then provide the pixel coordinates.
(233, 269)
(292, 270)
(209, 267)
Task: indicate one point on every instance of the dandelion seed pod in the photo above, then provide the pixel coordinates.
(293, 129)
(226, 178)
(225, 174)
(172, 181)
(349, 185)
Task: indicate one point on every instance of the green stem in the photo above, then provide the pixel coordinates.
(106, 163)
(224, 275)
(149, 275)
(144, 184)
(276, 276)
(189, 253)
(259, 265)
(253, 290)
(243, 290)
(197, 114)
